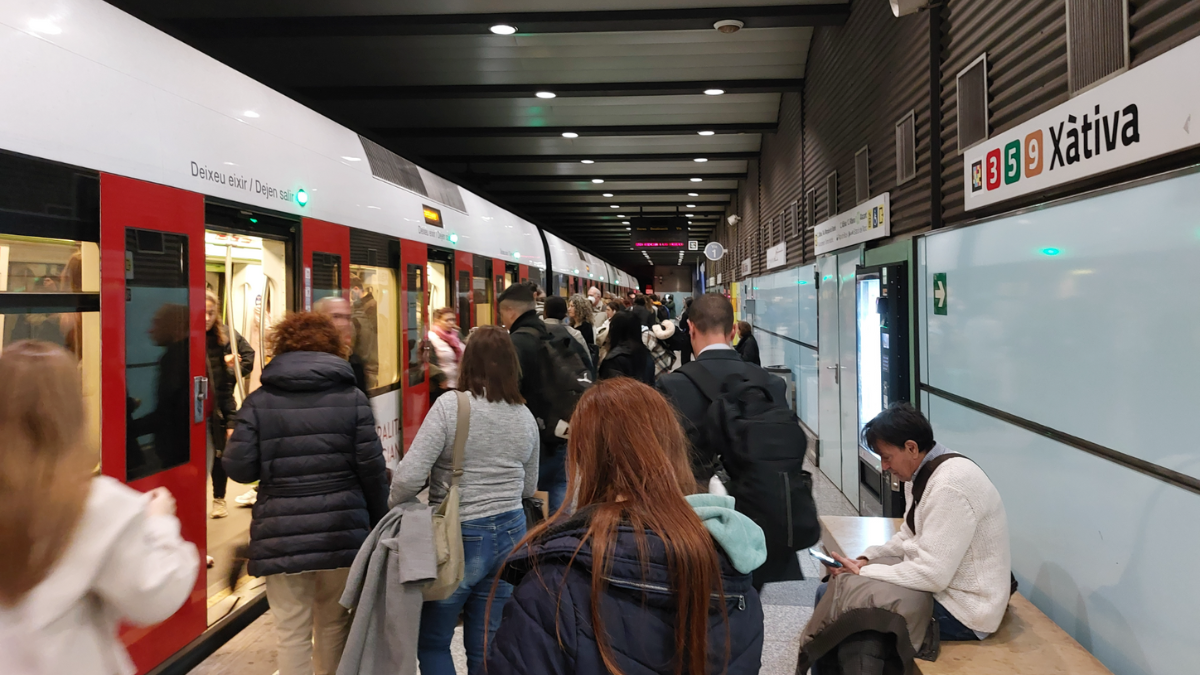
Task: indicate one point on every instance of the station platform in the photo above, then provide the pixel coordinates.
(786, 608)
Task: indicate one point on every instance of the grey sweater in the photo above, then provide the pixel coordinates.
(500, 462)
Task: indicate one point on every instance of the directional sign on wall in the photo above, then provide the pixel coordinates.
(940, 293)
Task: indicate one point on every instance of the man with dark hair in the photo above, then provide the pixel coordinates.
(710, 326)
(725, 375)
(518, 313)
(954, 540)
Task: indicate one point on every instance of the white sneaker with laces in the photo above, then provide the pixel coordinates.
(248, 498)
(219, 510)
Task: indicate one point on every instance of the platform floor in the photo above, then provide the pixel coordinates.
(786, 608)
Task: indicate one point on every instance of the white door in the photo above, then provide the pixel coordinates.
(829, 445)
(847, 285)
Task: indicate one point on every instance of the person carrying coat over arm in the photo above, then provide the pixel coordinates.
(308, 436)
(499, 468)
(222, 417)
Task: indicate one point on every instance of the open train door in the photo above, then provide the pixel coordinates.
(153, 385)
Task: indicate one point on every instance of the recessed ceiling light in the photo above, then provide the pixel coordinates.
(251, 114)
(706, 133)
(625, 222)
(622, 215)
(700, 159)
(627, 228)
(545, 94)
(570, 134)
(693, 194)
(714, 92)
(608, 194)
(503, 29)
(614, 206)
(697, 180)
(597, 180)
(691, 206)
(588, 161)
(691, 215)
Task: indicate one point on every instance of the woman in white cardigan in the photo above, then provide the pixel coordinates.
(959, 551)
(82, 555)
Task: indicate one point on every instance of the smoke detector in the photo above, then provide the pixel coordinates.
(728, 25)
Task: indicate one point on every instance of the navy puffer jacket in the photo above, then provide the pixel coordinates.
(309, 436)
(638, 613)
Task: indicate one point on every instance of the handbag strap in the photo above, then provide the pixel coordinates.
(463, 427)
(919, 483)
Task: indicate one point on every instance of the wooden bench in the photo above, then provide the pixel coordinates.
(1028, 642)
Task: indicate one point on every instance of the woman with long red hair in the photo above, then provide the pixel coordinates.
(644, 576)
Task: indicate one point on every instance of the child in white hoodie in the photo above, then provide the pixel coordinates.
(79, 555)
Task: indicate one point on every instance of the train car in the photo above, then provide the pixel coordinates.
(139, 174)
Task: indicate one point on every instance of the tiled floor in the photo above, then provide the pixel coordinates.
(786, 608)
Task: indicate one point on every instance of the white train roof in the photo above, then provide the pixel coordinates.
(92, 86)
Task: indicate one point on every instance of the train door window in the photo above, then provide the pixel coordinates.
(481, 290)
(415, 323)
(537, 276)
(511, 272)
(248, 275)
(326, 276)
(464, 300)
(439, 286)
(157, 353)
(374, 298)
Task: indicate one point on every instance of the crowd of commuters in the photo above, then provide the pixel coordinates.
(649, 557)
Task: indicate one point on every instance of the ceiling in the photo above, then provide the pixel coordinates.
(429, 80)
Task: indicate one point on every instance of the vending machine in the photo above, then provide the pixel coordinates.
(883, 370)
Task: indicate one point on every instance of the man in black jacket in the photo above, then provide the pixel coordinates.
(518, 313)
(710, 326)
(642, 312)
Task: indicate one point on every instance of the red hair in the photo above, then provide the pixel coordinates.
(627, 460)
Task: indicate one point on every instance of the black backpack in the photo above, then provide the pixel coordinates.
(762, 446)
(562, 378)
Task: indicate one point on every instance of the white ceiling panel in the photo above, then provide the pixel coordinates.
(249, 8)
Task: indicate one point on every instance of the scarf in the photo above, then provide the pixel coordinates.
(451, 338)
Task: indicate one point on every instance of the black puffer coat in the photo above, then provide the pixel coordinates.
(542, 634)
(309, 436)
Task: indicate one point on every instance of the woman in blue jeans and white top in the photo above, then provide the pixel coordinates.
(500, 467)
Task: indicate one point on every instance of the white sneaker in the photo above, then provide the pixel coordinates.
(248, 498)
(211, 562)
(218, 509)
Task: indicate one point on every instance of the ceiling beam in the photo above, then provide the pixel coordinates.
(575, 159)
(582, 130)
(702, 18)
(616, 178)
(407, 92)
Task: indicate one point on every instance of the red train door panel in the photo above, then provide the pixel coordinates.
(326, 260)
(414, 298)
(498, 274)
(465, 271)
(524, 273)
(152, 329)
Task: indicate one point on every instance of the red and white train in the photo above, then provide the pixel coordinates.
(137, 173)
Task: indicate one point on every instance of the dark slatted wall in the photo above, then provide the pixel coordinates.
(782, 172)
(1158, 25)
(862, 78)
(1026, 45)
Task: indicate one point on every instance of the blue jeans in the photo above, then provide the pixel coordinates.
(949, 628)
(486, 544)
(552, 476)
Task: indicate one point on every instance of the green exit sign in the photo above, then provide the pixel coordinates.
(940, 294)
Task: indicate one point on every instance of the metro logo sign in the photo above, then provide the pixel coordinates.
(1143, 113)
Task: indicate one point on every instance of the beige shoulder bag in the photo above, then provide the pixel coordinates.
(447, 528)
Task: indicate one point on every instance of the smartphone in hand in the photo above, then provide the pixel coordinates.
(825, 560)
